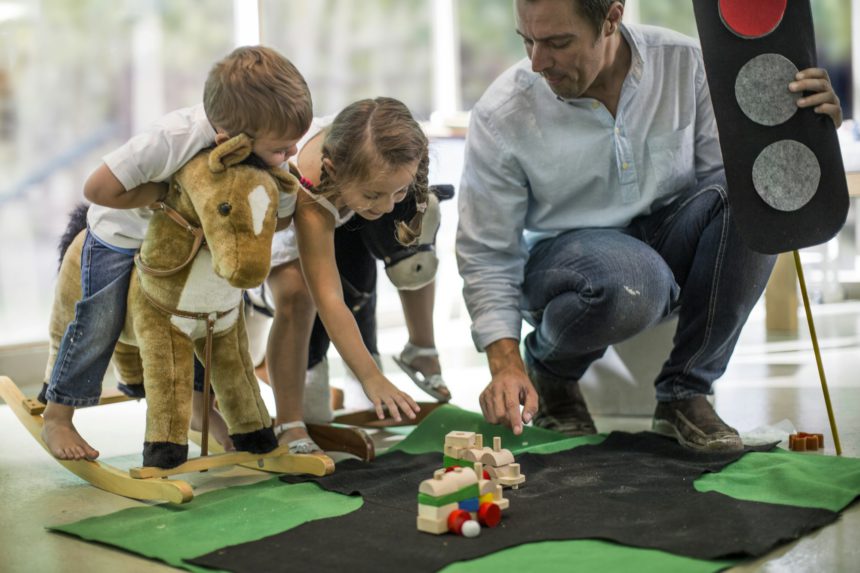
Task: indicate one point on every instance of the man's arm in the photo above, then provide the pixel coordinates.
(493, 201)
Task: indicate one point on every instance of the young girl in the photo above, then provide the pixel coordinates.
(371, 156)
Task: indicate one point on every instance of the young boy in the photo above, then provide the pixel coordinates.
(255, 91)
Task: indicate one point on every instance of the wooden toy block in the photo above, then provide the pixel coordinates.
(805, 442)
(466, 448)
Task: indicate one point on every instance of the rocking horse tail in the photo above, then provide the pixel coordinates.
(77, 223)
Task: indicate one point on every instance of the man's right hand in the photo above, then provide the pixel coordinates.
(509, 389)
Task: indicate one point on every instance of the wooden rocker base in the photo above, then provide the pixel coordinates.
(331, 438)
(368, 418)
(148, 484)
(341, 438)
(278, 461)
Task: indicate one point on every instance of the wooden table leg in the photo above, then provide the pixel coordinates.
(780, 296)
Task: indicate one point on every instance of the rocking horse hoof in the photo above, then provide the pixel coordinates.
(164, 455)
(257, 442)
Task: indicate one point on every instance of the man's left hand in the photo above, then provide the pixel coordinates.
(823, 99)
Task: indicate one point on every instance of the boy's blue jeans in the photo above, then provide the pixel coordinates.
(590, 288)
(89, 340)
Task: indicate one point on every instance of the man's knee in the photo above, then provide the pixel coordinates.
(613, 310)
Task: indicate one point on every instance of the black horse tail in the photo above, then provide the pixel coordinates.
(77, 223)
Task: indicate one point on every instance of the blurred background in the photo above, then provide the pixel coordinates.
(77, 79)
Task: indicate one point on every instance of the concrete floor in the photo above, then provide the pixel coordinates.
(771, 378)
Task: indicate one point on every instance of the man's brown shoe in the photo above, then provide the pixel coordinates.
(695, 424)
(561, 407)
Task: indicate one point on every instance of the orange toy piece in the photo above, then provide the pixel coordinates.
(804, 442)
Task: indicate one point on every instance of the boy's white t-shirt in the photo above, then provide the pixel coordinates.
(284, 244)
(154, 155)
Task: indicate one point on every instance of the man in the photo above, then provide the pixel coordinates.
(593, 204)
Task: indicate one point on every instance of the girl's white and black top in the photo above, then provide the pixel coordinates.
(284, 245)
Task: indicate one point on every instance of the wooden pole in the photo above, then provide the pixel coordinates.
(817, 351)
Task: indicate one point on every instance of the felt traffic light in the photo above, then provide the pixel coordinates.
(784, 169)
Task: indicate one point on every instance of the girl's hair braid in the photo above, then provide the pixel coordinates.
(377, 133)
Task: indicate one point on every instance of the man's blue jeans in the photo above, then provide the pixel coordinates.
(89, 340)
(587, 289)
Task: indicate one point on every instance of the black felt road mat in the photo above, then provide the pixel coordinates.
(635, 489)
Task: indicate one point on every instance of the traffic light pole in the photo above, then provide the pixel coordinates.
(817, 350)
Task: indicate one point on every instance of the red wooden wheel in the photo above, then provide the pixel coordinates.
(489, 514)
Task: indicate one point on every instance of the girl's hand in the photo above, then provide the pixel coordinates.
(384, 395)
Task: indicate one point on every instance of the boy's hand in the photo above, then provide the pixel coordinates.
(384, 394)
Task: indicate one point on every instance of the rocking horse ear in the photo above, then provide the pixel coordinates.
(230, 152)
(288, 181)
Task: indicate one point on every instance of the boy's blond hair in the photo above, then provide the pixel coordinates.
(257, 91)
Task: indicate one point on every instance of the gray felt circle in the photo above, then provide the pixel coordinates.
(786, 175)
(761, 89)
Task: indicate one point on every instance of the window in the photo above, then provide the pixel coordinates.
(77, 79)
(349, 50)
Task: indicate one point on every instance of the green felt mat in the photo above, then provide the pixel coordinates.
(246, 513)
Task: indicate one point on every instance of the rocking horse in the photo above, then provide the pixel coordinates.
(185, 296)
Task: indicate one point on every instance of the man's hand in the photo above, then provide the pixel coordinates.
(509, 389)
(823, 98)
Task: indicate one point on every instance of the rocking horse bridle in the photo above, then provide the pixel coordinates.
(196, 232)
(209, 317)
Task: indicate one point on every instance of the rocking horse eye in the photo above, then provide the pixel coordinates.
(225, 208)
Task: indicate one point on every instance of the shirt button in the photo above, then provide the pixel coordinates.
(625, 165)
(617, 131)
(595, 104)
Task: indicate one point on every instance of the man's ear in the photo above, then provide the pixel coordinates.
(221, 137)
(613, 17)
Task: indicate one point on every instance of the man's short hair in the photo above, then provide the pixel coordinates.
(257, 91)
(595, 11)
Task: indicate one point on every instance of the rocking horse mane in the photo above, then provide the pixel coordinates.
(77, 223)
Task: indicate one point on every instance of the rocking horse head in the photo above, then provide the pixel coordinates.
(236, 205)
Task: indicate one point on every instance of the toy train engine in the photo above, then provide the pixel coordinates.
(460, 500)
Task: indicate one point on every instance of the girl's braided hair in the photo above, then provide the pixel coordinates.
(372, 136)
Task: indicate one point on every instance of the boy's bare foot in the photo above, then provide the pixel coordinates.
(217, 425)
(59, 434)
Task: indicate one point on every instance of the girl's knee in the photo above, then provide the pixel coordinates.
(290, 294)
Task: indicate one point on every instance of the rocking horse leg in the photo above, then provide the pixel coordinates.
(238, 392)
(129, 370)
(99, 474)
(168, 366)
